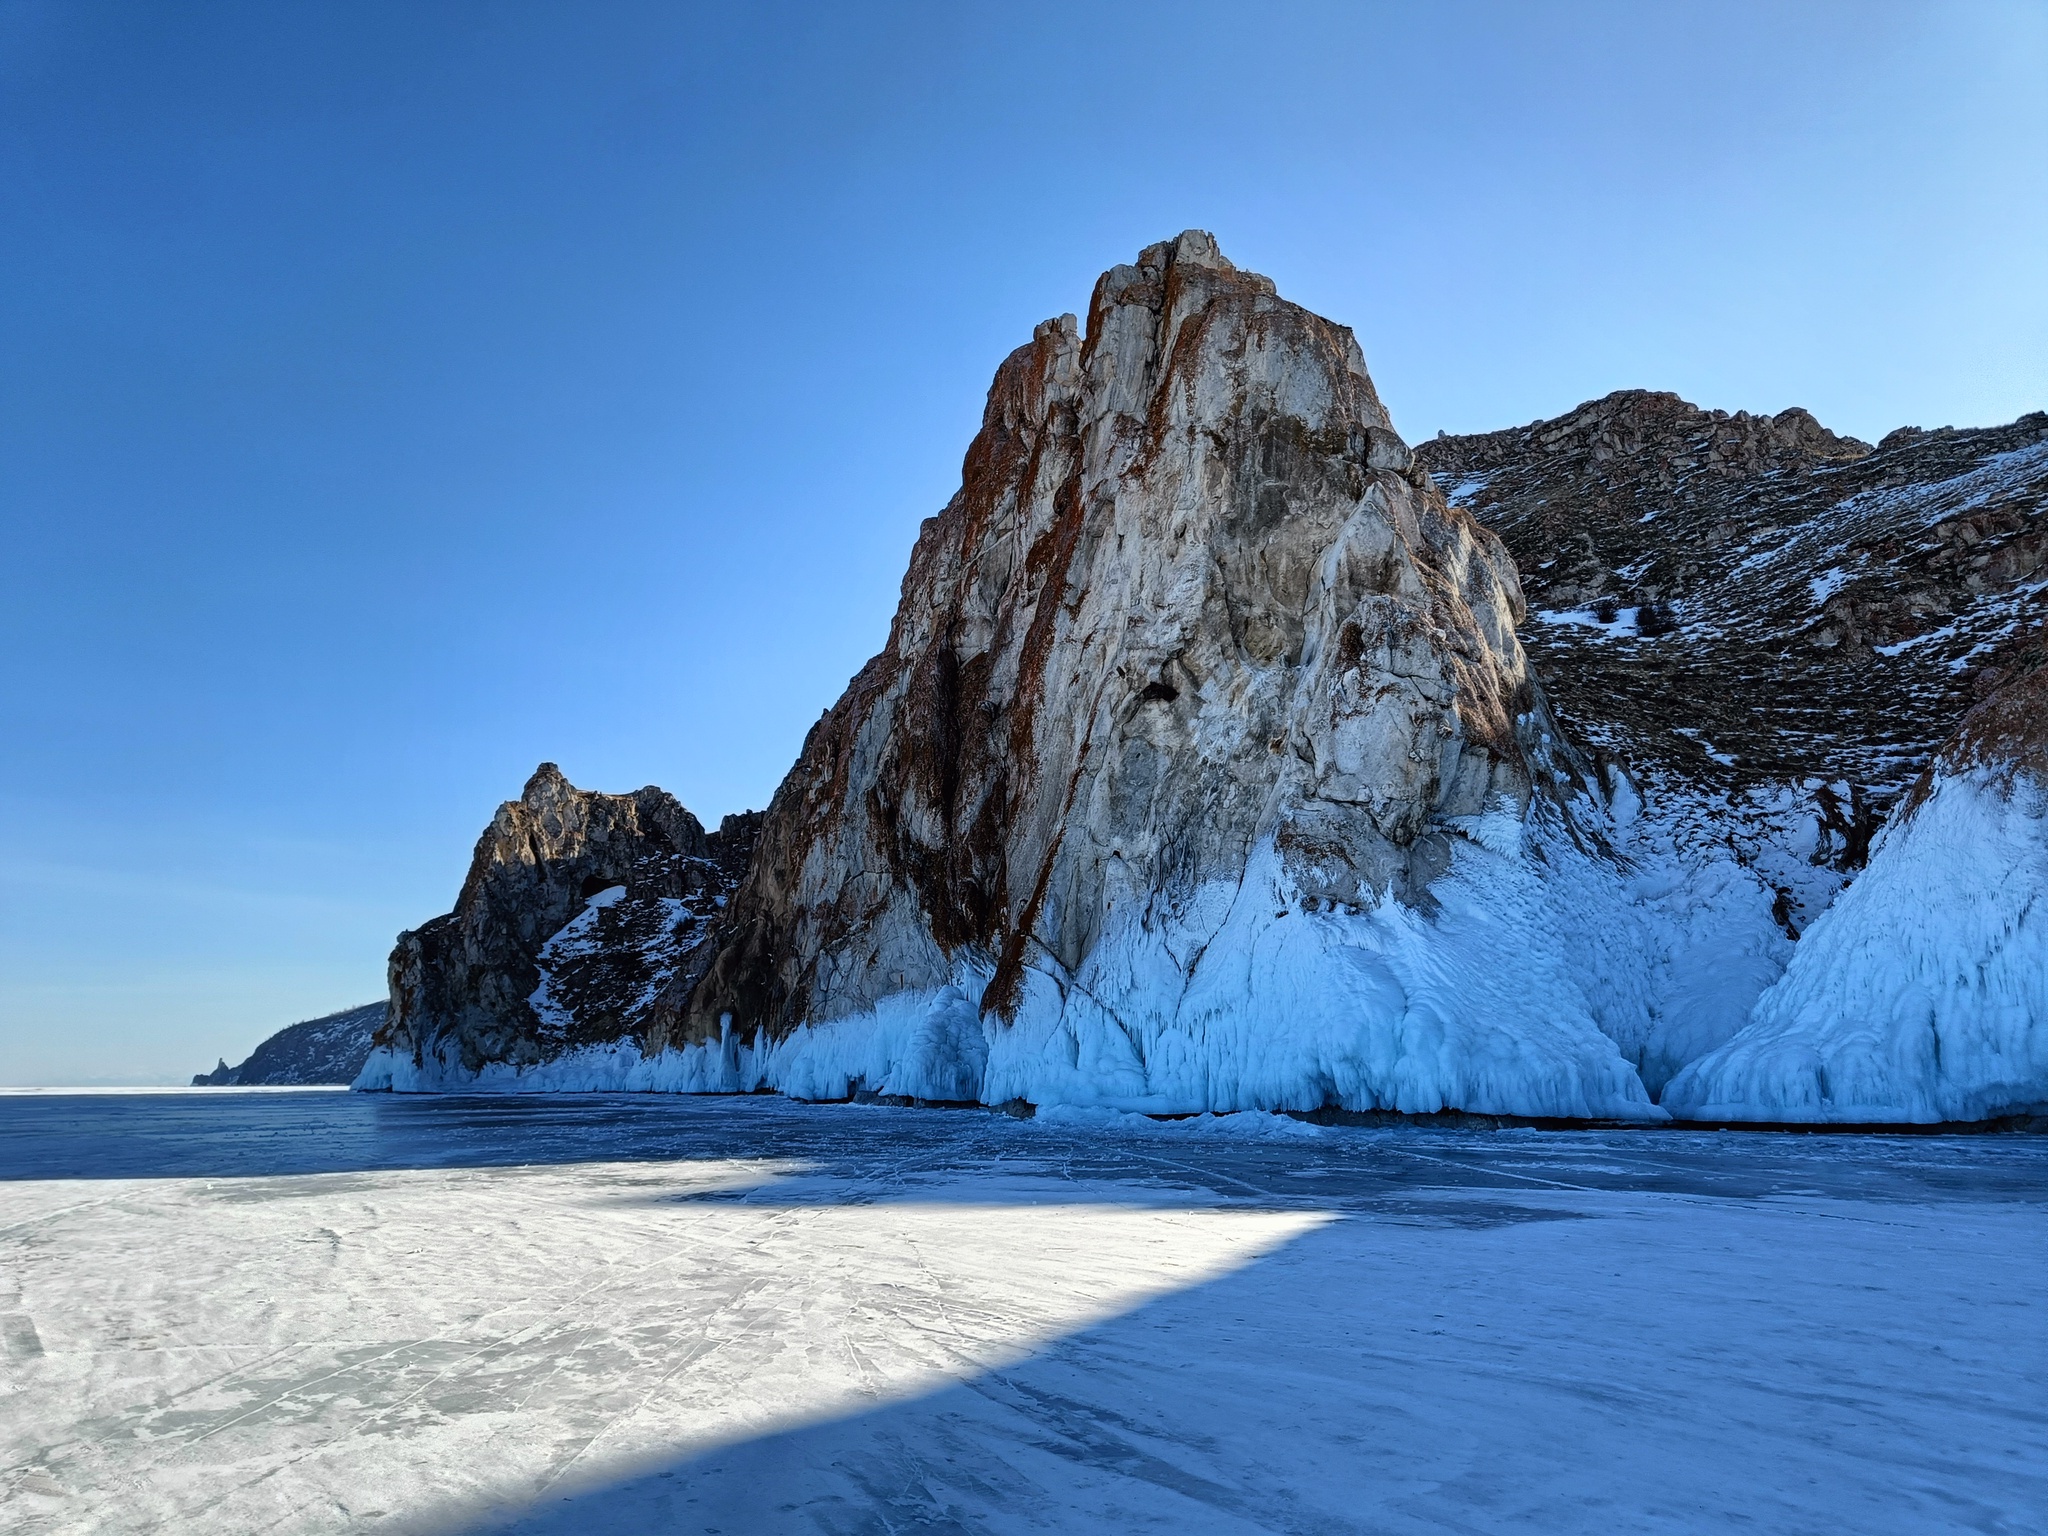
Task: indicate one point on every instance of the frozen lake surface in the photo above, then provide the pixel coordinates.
(242, 1311)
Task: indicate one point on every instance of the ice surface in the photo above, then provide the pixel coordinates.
(585, 1315)
(1249, 1125)
(1922, 994)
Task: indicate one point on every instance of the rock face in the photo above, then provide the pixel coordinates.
(581, 922)
(1922, 993)
(327, 1050)
(1204, 769)
(1197, 670)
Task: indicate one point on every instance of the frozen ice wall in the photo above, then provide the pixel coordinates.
(1543, 980)
(1921, 995)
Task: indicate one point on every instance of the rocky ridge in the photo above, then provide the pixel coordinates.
(1773, 627)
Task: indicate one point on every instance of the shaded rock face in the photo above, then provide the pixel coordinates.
(1193, 598)
(1773, 628)
(581, 921)
(1811, 601)
(328, 1050)
(1765, 633)
(2006, 734)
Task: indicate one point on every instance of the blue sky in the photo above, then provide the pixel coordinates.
(396, 396)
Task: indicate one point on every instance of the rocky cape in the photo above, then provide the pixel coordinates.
(329, 1050)
(1205, 767)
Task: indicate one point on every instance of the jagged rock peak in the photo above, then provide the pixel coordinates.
(557, 810)
(1195, 644)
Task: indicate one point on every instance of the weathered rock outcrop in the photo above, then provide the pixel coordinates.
(1196, 668)
(328, 1050)
(582, 919)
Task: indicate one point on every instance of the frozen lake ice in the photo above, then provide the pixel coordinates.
(240, 1311)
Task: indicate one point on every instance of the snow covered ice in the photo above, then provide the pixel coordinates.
(244, 1311)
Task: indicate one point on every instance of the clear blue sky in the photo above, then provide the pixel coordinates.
(393, 396)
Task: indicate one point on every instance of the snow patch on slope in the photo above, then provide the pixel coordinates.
(1625, 625)
(1827, 584)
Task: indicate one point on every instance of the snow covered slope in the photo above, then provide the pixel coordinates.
(1921, 995)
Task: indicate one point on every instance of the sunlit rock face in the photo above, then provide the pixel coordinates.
(575, 927)
(1196, 668)
(1921, 995)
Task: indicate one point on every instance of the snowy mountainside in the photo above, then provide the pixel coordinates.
(329, 1049)
(1764, 633)
(1773, 628)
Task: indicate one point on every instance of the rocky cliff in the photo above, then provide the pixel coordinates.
(1775, 628)
(1196, 694)
(1205, 768)
(1764, 633)
(581, 924)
